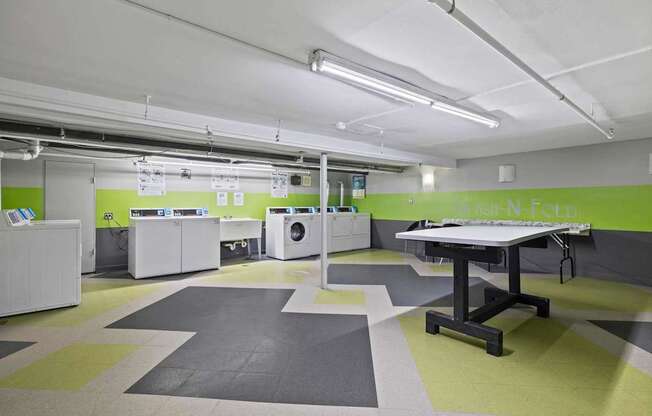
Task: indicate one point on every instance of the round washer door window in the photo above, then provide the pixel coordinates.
(297, 231)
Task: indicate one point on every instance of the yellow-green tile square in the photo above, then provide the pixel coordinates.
(444, 268)
(69, 368)
(96, 299)
(340, 297)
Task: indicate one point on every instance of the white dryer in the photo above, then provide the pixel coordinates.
(288, 235)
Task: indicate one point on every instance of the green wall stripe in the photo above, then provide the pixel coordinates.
(14, 197)
(627, 208)
(119, 201)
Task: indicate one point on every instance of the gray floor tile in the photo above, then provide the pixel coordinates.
(637, 333)
(245, 348)
(405, 286)
(208, 384)
(267, 362)
(160, 380)
(10, 347)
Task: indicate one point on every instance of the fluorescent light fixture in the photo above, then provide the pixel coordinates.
(388, 86)
(246, 167)
(366, 78)
(461, 112)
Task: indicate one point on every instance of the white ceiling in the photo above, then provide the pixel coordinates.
(114, 49)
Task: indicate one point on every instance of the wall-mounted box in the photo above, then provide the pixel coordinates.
(506, 173)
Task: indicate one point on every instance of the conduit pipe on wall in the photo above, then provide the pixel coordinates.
(341, 192)
(31, 153)
(469, 24)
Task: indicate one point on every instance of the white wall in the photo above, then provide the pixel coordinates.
(121, 174)
(608, 164)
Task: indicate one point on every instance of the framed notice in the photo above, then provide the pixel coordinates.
(225, 180)
(151, 179)
(279, 185)
(238, 199)
(222, 199)
(359, 186)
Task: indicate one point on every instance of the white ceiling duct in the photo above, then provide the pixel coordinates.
(31, 153)
(469, 24)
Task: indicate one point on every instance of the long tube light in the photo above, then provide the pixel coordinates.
(474, 28)
(371, 80)
(461, 112)
(247, 167)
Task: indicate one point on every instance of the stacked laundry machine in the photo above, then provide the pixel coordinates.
(349, 229)
(165, 241)
(295, 232)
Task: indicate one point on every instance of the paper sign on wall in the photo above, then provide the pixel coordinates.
(225, 180)
(222, 199)
(359, 186)
(151, 179)
(279, 185)
(238, 199)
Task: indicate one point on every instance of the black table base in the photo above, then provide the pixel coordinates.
(496, 300)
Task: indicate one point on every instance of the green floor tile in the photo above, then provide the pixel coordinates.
(97, 298)
(70, 368)
(547, 369)
(445, 269)
(291, 272)
(584, 293)
(371, 256)
(340, 297)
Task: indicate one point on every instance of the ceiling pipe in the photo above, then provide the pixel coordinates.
(160, 150)
(469, 24)
(31, 153)
(139, 151)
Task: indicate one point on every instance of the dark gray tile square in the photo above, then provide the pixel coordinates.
(253, 387)
(405, 286)
(267, 362)
(637, 333)
(10, 347)
(163, 381)
(209, 384)
(245, 348)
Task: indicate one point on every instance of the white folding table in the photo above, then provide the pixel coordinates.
(481, 243)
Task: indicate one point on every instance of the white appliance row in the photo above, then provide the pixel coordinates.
(40, 263)
(294, 232)
(164, 241)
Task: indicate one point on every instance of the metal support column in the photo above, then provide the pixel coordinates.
(323, 209)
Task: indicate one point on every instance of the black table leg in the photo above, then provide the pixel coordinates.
(460, 321)
(496, 301)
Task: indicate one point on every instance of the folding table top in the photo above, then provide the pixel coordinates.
(481, 235)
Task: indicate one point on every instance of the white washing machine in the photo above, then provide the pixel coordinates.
(314, 236)
(288, 235)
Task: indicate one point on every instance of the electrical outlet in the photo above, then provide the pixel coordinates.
(108, 216)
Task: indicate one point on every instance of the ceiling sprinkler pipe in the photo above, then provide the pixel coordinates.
(474, 28)
(31, 153)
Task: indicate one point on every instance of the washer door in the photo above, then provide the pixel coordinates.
(296, 232)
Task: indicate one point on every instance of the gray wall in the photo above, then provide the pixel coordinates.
(614, 255)
(606, 164)
(617, 255)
